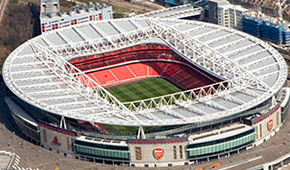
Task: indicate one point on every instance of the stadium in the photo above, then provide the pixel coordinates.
(146, 92)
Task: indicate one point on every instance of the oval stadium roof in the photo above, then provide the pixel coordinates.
(38, 71)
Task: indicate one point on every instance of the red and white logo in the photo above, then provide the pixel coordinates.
(270, 125)
(55, 141)
(158, 153)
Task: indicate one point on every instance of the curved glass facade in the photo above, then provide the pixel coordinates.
(102, 150)
(221, 145)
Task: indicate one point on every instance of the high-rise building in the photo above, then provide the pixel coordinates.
(51, 18)
(223, 13)
(236, 16)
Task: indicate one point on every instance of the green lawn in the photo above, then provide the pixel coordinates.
(143, 89)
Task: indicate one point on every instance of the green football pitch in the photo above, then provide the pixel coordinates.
(143, 89)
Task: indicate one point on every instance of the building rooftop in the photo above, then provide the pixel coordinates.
(76, 10)
(49, 8)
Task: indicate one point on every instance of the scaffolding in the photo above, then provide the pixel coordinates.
(272, 32)
(252, 25)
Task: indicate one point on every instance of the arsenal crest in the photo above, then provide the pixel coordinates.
(270, 125)
(55, 141)
(158, 153)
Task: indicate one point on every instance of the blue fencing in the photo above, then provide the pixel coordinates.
(252, 25)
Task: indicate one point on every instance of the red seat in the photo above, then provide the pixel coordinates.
(157, 68)
(116, 60)
(104, 76)
(122, 73)
(171, 70)
(139, 69)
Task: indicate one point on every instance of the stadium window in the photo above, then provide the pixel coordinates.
(174, 152)
(277, 118)
(44, 136)
(256, 129)
(181, 151)
(72, 144)
(260, 130)
(67, 140)
(138, 153)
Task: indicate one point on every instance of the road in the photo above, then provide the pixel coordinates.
(3, 5)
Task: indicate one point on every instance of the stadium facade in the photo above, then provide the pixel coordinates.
(233, 93)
